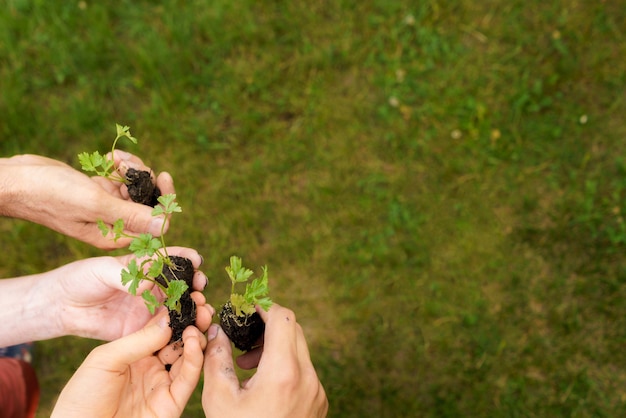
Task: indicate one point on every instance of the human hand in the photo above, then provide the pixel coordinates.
(284, 385)
(94, 303)
(53, 194)
(124, 378)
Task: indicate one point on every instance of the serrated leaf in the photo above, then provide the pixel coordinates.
(104, 228)
(169, 204)
(133, 276)
(150, 300)
(172, 304)
(106, 165)
(176, 288)
(125, 131)
(265, 303)
(156, 268)
(118, 229)
(236, 272)
(158, 210)
(257, 289)
(86, 163)
(144, 245)
(238, 302)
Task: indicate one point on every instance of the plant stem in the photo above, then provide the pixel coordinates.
(162, 237)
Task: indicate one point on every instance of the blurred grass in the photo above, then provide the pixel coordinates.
(436, 187)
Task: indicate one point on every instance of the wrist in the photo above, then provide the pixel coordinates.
(29, 312)
(13, 193)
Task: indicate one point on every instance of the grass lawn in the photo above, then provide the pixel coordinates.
(437, 187)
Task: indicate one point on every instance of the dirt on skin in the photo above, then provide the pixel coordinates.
(141, 189)
(244, 331)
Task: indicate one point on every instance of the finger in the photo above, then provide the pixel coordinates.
(186, 252)
(187, 375)
(108, 270)
(137, 218)
(32, 159)
(109, 186)
(170, 354)
(165, 183)
(118, 354)
(200, 281)
(124, 160)
(204, 312)
(280, 359)
(280, 334)
(250, 359)
(220, 379)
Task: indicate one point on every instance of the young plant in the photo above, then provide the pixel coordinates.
(172, 274)
(141, 187)
(100, 164)
(238, 316)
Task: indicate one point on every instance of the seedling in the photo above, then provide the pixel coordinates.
(172, 274)
(141, 187)
(100, 164)
(238, 316)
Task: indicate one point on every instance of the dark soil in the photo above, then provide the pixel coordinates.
(182, 270)
(244, 331)
(141, 189)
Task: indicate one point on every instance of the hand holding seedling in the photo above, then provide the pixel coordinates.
(124, 378)
(87, 299)
(285, 383)
(55, 195)
(138, 181)
(171, 275)
(238, 316)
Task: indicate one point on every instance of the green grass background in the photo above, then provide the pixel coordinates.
(437, 187)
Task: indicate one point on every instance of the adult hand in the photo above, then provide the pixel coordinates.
(85, 298)
(53, 194)
(284, 385)
(124, 378)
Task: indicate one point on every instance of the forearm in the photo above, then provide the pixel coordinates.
(26, 184)
(10, 193)
(27, 312)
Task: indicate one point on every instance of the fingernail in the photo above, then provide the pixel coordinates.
(156, 224)
(201, 259)
(213, 330)
(163, 321)
(123, 155)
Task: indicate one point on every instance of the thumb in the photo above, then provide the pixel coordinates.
(137, 218)
(118, 354)
(220, 380)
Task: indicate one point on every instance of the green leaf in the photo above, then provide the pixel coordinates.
(175, 290)
(257, 289)
(265, 303)
(118, 229)
(158, 210)
(144, 245)
(156, 268)
(236, 272)
(133, 276)
(103, 228)
(240, 305)
(169, 205)
(86, 162)
(95, 162)
(125, 131)
(151, 301)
